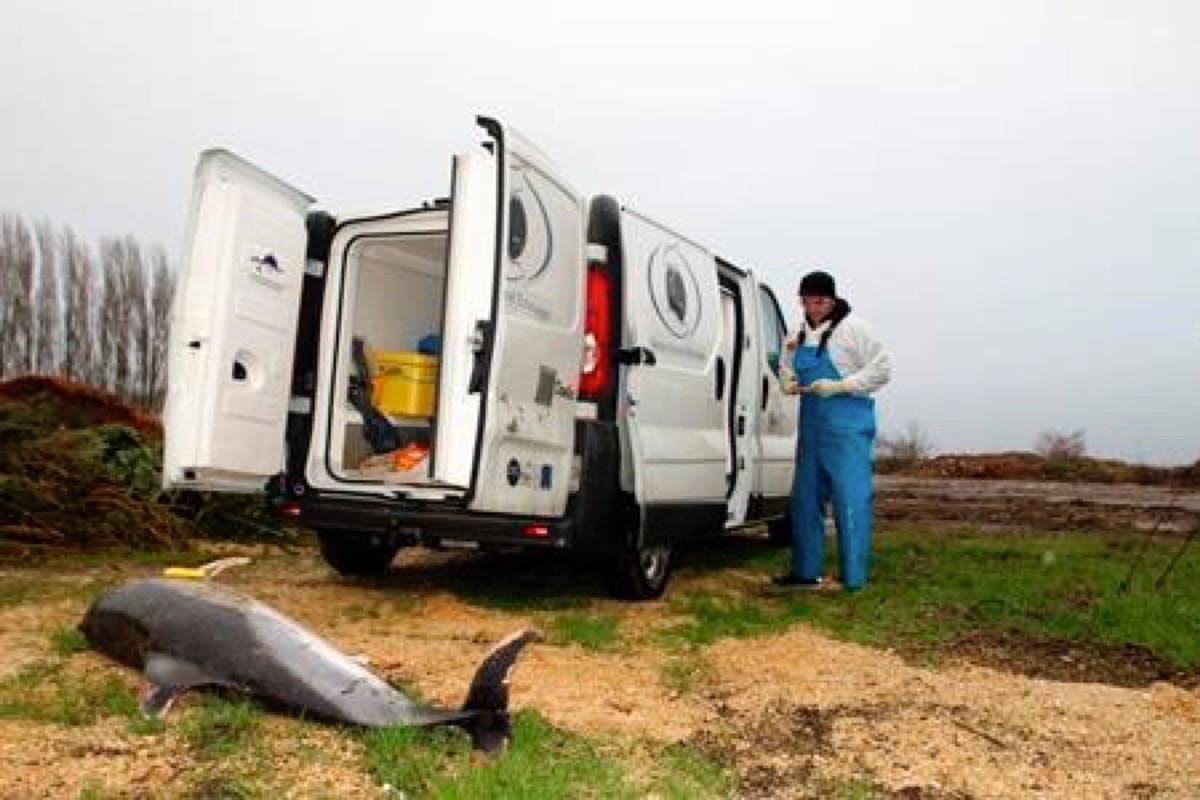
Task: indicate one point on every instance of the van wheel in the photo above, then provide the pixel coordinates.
(640, 573)
(357, 553)
(779, 531)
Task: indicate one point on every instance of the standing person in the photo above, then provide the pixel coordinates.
(838, 363)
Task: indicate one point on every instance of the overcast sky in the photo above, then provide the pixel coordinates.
(1009, 191)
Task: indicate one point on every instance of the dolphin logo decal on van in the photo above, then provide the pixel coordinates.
(674, 290)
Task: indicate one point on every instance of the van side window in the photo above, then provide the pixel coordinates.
(773, 329)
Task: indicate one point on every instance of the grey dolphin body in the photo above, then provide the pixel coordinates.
(185, 634)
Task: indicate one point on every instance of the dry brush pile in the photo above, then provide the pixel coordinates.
(80, 470)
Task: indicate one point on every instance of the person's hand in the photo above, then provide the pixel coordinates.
(790, 344)
(828, 388)
(790, 387)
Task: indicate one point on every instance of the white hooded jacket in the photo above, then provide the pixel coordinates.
(858, 356)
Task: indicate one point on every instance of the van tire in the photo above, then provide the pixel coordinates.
(640, 573)
(357, 553)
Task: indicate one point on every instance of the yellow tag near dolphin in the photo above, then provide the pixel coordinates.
(207, 571)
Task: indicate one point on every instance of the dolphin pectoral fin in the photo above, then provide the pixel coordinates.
(168, 671)
(166, 678)
(491, 728)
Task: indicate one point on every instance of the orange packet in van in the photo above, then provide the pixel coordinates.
(409, 456)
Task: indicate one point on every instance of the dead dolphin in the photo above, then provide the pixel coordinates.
(185, 634)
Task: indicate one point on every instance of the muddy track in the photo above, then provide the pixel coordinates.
(1037, 505)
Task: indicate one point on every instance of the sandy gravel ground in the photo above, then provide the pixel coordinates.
(788, 709)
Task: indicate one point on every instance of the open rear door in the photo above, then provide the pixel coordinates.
(233, 328)
(513, 329)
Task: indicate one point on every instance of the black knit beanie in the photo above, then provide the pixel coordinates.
(818, 284)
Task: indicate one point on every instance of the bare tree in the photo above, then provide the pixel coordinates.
(78, 282)
(911, 444)
(162, 293)
(111, 369)
(47, 320)
(1058, 446)
(18, 262)
(7, 292)
(137, 339)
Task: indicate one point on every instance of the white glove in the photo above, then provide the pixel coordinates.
(828, 388)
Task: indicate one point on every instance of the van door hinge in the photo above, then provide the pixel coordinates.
(314, 267)
(299, 404)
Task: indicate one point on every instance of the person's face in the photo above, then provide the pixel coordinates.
(817, 309)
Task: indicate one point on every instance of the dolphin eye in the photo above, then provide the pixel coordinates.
(517, 227)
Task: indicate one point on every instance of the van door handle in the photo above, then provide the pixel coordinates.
(637, 356)
(765, 388)
(720, 378)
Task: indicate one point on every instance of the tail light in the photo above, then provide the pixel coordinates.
(596, 372)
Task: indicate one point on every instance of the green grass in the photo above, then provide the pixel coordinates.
(687, 671)
(684, 773)
(592, 631)
(930, 588)
(68, 640)
(223, 784)
(712, 617)
(221, 726)
(542, 762)
(45, 692)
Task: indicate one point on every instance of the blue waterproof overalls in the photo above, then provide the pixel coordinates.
(833, 462)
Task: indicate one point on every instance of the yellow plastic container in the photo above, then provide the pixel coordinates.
(403, 383)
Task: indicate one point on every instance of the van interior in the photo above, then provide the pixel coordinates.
(386, 367)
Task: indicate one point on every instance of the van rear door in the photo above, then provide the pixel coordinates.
(233, 328)
(513, 329)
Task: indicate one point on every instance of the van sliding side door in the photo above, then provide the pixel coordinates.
(674, 453)
(513, 329)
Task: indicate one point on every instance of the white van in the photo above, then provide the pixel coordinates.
(600, 383)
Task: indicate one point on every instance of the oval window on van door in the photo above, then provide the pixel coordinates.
(530, 238)
(518, 227)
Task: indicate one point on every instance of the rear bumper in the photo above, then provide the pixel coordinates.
(414, 524)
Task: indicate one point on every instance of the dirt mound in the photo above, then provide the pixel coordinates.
(1021, 466)
(74, 405)
(80, 470)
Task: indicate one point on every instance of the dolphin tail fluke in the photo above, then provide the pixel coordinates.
(491, 725)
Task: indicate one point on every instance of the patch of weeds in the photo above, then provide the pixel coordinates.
(67, 640)
(146, 725)
(686, 672)
(43, 693)
(543, 762)
(716, 617)
(591, 631)
(95, 791)
(687, 772)
(85, 701)
(223, 785)
(221, 726)
(931, 589)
